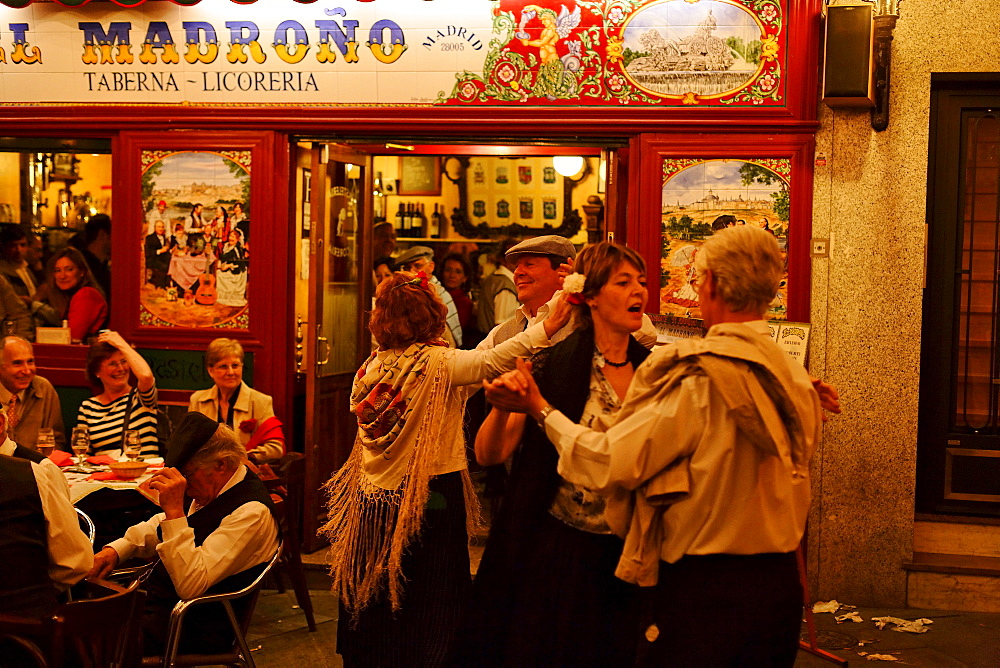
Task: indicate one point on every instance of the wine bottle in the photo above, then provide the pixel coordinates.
(435, 230)
(419, 221)
(408, 221)
(399, 221)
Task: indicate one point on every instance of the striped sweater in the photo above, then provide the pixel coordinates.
(105, 422)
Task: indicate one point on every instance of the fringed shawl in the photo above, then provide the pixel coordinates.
(377, 499)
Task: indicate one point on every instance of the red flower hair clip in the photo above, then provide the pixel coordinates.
(420, 281)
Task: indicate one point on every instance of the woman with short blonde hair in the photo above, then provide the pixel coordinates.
(234, 403)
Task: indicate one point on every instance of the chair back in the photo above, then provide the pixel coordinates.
(97, 630)
(292, 476)
(86, 525)
(19, 638)
(239, 626)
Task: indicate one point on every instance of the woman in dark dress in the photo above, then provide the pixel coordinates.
(545, 593)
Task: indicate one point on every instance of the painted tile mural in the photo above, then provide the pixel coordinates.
(683, 53)
(703, 196)
(196, 238)
(680, 52)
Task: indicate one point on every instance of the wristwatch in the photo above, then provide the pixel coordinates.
(544, 413)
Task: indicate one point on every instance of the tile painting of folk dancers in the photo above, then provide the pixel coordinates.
(197, 267)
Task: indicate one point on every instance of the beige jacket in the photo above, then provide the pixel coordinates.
(250, 405)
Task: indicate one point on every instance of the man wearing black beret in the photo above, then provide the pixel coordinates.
(221, 544)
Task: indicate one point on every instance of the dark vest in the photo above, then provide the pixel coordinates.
(25, 587)
(206, 628)
(490, 287)
(22, 452)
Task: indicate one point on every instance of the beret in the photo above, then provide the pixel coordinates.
(189, 436)
(547, 244)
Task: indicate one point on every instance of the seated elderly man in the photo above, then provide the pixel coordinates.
(221, 544)
(706, 465)
(42, 549)
(29, 400)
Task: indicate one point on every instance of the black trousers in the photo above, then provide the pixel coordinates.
(726, 610)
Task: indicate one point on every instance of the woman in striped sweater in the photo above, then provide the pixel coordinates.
(109, 364)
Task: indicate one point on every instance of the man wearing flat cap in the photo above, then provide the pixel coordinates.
(421, 258)
(221, 544)
(538, 279)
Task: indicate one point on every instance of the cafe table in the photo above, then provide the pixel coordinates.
(113, 504)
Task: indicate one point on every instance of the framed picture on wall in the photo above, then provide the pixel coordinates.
(692, 188)
(196, 263)
(419, 175)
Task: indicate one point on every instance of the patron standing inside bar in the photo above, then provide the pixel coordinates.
(706, 467)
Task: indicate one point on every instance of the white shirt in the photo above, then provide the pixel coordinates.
(70, 554)
(246, 537)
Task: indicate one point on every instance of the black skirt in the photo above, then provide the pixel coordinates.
(557, 604)
(726, 610)
(436, 585)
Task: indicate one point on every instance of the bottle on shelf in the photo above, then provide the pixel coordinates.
(399, 221)
(435, 224)
(407, 221)
(419, 221)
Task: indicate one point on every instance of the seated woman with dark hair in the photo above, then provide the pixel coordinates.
(71, 293)
(400, 504)
(119, 406)
(234, 403)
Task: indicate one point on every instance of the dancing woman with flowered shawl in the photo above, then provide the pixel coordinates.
(402, 508)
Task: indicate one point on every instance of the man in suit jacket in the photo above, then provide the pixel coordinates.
(158, 255)
(42, 549)
(29, 401)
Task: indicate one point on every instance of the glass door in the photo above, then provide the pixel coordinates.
(335, 327)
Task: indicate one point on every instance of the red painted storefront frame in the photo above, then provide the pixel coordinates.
(652, 134)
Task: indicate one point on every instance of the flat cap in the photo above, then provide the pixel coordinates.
(547, 244)
(188, 437)
(412, 253)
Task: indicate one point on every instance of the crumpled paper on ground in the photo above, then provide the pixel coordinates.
(850, 616)
(880, 657)
(904, 625)
(829, 606)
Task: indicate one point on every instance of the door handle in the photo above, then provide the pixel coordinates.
(322, 340)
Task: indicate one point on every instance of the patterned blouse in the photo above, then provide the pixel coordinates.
(580, 507)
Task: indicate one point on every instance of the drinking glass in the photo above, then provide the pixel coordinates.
(80, 442)
(133, 445)
(46, 441)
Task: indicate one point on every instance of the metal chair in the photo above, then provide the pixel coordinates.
(241, 652)
(86, 525)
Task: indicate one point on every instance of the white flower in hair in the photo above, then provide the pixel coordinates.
(573, 284)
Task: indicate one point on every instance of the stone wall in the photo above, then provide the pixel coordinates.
(870, 201)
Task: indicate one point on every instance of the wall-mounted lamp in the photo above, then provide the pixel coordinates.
(567, 165)
(857, 56)
(886, 13)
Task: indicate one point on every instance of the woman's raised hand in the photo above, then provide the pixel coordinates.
(114, 338)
